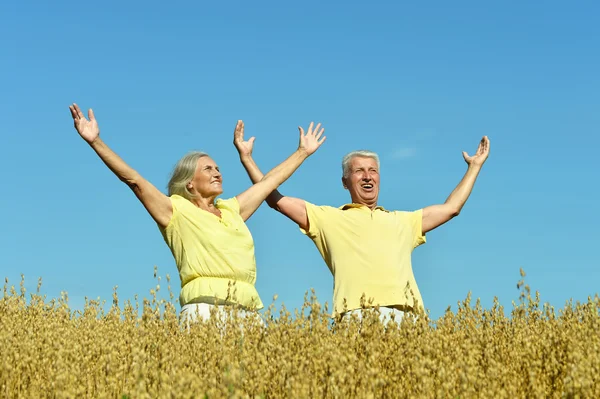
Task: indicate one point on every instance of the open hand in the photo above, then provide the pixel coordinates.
(312, 140)
(88, 130)
(244, 147)
(481, 155)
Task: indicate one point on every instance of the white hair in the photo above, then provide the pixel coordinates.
(360, 153)
(183, 173)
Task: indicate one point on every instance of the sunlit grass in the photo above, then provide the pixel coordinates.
(141, 350)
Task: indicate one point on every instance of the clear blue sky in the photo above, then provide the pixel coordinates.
(418, 83)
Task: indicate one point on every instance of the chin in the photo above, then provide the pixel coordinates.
(215, 192)
(370, 195)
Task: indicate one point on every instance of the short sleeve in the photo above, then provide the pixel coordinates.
(231, 204)
(413, 219)
(171, 231)
(417, 223)
(316, 217)
(175, 206)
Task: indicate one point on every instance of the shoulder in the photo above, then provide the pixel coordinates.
(410, 217)
(230, 204)
(407, 213)
(321, 216)
(180, 207)
(179, 203)
(322, 209)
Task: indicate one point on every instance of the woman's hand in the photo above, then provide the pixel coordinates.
(88, 130)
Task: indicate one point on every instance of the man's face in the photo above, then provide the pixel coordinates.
(363, 181)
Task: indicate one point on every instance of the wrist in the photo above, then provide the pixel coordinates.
(474, 167)
(95, 142)
(245, 157)
(302, 153)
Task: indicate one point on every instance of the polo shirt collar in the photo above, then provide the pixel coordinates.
(349, 206)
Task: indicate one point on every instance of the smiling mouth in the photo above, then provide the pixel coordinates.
(367, 186)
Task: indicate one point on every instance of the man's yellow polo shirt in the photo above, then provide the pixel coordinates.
(210, 252)
(367, 252)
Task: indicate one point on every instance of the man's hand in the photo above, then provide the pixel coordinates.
(481, 155)
(310, 142)
(88, 130)
(244, 147)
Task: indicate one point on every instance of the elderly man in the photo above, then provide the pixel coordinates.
(366, 247)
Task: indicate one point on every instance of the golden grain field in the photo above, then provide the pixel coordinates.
(140, 350)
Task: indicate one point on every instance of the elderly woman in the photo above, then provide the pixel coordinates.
(208, 237)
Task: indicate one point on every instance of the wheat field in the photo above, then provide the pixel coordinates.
(142, 350)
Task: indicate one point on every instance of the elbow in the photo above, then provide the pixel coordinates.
(133, 181)
(454, 211)
(274, 203)
(273, 200)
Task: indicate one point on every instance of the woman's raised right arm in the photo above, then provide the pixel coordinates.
(156, 203)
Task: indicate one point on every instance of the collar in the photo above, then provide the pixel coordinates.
(349, 206)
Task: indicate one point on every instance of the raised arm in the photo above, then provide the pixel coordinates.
(436, 215)
(293, 208)
(156, 203)
(265, 185)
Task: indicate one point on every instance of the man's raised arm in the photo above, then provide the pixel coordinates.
(293, 208)
(436, 215)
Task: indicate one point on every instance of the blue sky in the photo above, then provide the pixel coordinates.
(417, 83)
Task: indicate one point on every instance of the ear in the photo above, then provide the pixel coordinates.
(344, 183)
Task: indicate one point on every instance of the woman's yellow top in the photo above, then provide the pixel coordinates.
(212, 253)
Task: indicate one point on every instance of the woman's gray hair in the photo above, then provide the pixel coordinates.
(183, 173)
(360, 153)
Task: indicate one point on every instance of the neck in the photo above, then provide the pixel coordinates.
(204, 202)
(369, 204)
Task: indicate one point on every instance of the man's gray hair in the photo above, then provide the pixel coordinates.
(183, 173)
(360, 153)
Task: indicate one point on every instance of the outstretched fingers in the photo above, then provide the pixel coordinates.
(318, 136)
(238, 132)
(316, 129)
(314, 133)
(484, 145)
(73, 112)
(77, 114)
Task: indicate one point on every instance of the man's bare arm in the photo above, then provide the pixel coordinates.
(436, 215)
(265, 186)
(293, 208)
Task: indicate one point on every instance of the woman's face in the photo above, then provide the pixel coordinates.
(207, 181)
